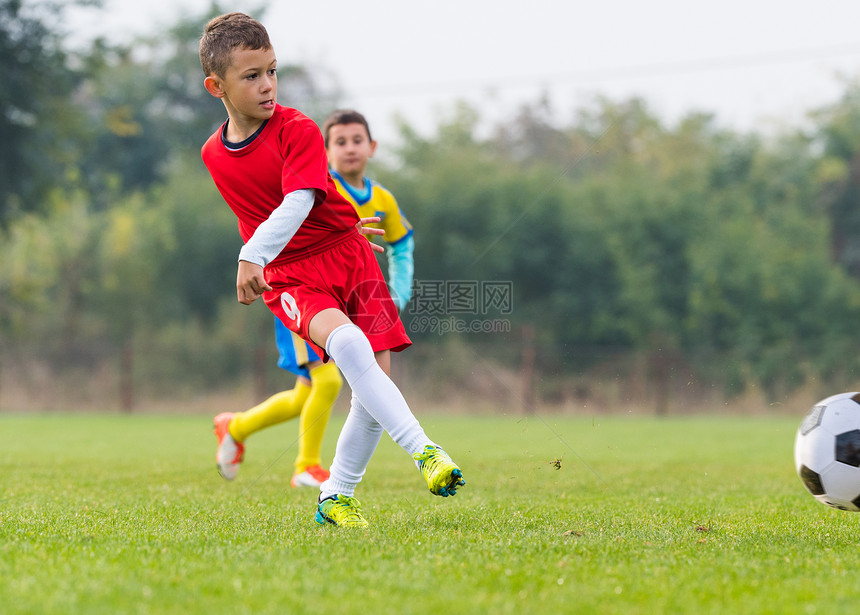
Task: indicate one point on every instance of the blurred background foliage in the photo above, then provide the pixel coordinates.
(653, 265)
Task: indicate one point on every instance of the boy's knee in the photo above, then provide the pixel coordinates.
(351, 350)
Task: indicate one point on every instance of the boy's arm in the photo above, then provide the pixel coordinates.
(401, 268)
(268, 241)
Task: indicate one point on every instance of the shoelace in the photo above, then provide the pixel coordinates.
(432, 457)
(348, 507)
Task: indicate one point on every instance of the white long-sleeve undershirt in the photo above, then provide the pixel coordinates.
(272, 236)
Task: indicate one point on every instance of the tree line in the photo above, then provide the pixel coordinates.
(687, 251)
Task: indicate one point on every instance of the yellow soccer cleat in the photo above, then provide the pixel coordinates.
(442, 475)
(340, 510)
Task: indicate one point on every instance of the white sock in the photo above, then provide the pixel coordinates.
(352, 353)
(355, 446)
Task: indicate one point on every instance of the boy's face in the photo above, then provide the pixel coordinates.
(249, 87)
(349, 149)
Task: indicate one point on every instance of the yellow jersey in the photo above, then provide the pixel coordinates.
(376, 200)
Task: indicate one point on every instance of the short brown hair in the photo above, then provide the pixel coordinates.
(226, 33)
(344, 116)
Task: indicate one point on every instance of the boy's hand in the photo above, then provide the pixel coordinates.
(250, 283)
(370, 231)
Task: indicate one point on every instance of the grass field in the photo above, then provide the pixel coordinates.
(127, 514)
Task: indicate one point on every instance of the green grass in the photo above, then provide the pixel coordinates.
(127, 514)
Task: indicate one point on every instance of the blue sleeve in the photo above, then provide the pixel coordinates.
(401, 268)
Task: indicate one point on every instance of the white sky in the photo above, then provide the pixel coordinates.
(755, 64)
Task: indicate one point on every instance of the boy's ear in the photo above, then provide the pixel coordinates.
(372, 149)
(213, 86)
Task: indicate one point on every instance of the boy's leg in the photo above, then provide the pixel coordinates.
(292, 356)
(347, 345)
(358, 440)
(355, 446)
(326, 383)
(231, 429)
(278, 408)
(381, 398)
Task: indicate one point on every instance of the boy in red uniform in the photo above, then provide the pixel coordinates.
(305, 258)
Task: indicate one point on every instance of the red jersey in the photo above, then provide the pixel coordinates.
(287, 155)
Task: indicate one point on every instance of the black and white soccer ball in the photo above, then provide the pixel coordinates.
(827, 451)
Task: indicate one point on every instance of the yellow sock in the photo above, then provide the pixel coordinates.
(278, 408)
(325, 386)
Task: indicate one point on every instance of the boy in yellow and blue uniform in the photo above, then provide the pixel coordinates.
(374, 200)
(349, 147)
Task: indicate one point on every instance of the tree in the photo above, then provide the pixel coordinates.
(838, 132)
(35, 105)
(146, 107)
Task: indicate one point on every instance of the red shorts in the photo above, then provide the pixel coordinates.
(346, 277)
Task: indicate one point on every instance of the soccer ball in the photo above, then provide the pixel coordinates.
(827, 451)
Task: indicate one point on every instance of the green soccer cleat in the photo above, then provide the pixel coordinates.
(442, 475)
(340, 510)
